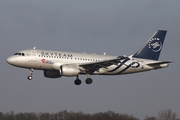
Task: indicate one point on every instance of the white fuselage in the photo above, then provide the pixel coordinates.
(51, 60)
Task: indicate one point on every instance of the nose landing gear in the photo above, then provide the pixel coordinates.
(30, 76)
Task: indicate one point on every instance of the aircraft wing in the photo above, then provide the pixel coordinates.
(95, 66)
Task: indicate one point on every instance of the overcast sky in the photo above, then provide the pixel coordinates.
(117, 27)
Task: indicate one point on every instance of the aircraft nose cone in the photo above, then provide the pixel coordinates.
(11, 60)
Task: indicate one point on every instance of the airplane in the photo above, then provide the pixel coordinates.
(56, 64)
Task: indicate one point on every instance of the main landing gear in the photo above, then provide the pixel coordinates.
(78, 81)
(30, 76)
(88, 80)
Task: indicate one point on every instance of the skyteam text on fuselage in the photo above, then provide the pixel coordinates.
(58, 63)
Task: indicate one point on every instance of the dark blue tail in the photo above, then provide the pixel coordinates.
(153, 47)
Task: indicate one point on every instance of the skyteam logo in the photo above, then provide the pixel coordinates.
(127, 66)
(155, 45)
(46, 61)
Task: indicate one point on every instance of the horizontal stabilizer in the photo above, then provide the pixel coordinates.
(159, 63)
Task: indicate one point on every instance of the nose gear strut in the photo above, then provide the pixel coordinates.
(30, 76)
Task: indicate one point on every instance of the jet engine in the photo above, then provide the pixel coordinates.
(64, 70)
(68, 70)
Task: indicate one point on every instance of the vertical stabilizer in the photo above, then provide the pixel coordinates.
(153, 47)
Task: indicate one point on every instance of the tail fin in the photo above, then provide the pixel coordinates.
(153, 47)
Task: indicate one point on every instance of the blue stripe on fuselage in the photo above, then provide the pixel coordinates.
(130, 65)
(122, 63)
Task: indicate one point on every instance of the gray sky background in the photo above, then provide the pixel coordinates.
(118, 27)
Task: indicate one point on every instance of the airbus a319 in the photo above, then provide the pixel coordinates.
(56, 64)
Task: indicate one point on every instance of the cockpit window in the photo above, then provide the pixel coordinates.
(20, 54)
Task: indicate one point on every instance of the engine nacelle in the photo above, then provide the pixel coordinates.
(68, 70)
(52, 74)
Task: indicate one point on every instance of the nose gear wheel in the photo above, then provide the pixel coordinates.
(30, 77)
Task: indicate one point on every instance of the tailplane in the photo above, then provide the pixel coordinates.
(153, 47)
